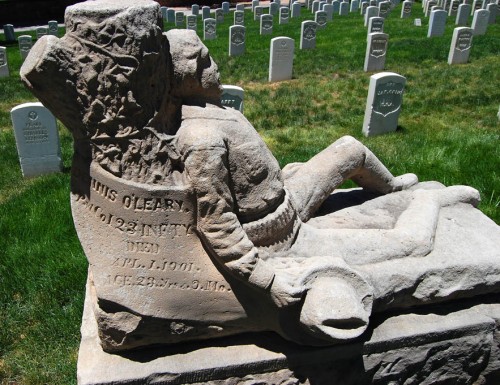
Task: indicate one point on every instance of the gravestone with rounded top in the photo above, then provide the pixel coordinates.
(437, 23)
(273, 8)
(53, 28)
(384, 8)
(308, 30)
(255, 3)
(383, 105)
(362, 8)
(232, 97)
(460, 46)
(209, 29)
(258, 12)
(284, 16)
(8, 32)
(296, 8)
(354, 6)
(236, 40)
(493, 10)
(428, 7)
(406, 9)
(37, 139)
(4, 64)
(205, 12)
(376, 24)
(376, 50)
(370, 12)
(480, 22)
(25, 44)
(163, 11)
(179, 19)
(225, 7)
(219, 15)
(328, 9)
(463, 14)
(170, 15)
(41, 31)
(266, 24)
(195, 9)
(281, 59)
(240, 7)
(476, 4)
(192, 22)
(320, 18)
(344, 9)
(239, 18)
(453, 10)
(315, 6)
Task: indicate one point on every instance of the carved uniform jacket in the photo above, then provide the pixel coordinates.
(237, 181)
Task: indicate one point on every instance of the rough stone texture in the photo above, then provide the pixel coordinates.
(193, 232)
(460, 46)
(383, 105)
(281, 59)
(449, 348)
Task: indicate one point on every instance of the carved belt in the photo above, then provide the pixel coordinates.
(277, 228)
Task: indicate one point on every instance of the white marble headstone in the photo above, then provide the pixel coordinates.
(4, 64)
(461, 44)
(25, 44)
(281, 59)
(284, 15)
(209, 29)
(239, 18)
(463, 14)
(266, 24)
(437, 23)
(37, 139)
(53, 28)
(236, 40)
(376, 50)
(480, 21)
(308, 34)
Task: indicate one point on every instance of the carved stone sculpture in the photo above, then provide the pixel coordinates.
(191, 229)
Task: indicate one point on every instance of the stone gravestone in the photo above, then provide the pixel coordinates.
(344, 9)
(354, 6)
(480, 22)
(255, 3)
(225, 7)
(219, 15)
(232, 97)
(336, 6)
(266, 24)
(437, 23)
(273, 9)
(493, 10)
(461, 44)
(406, 9)
(41, 31)
(376, 49)
(240, 7)
(308, 34)
(418, 22)
(4, 64)
(281, 59)
(8, 32)
(383, 105)
(476, 4)
(328, 9)
(164, 13)
(209, 29)
(453, 8)
(320, 18)
(192, 22)
(167, 200)
(53, 28)
(384, 9)
(236, 40)
(315, 6)
(205, 12)
(239, 18)
(179, 19)
(376, 24)
(37, 139)
(364, 6)
(296, 7)
(370, 12)
(170, 15)
(195, 9)
(258, 12)
(284, 15)
(428, 7)
(463, 14)
(25, 44)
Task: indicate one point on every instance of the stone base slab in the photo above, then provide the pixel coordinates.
(452, 346)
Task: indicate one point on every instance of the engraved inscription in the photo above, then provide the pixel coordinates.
(464, 41)
(238, 37)
(232, 101)
(310, 32)
(378, 47)
(35, 132)
(166, 283)
(407, 8)
(2, 58)
(210, 28)
(388, 98)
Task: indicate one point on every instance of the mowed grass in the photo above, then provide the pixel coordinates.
(448, 132)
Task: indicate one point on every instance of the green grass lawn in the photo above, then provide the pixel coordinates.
(448, 132)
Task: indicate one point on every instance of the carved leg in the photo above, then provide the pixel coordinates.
(312, 182)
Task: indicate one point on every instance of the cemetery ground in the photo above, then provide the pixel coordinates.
(448, 131)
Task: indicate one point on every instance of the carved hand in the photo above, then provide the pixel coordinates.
(283, 293)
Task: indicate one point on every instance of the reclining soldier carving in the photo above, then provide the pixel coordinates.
(191, 228)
